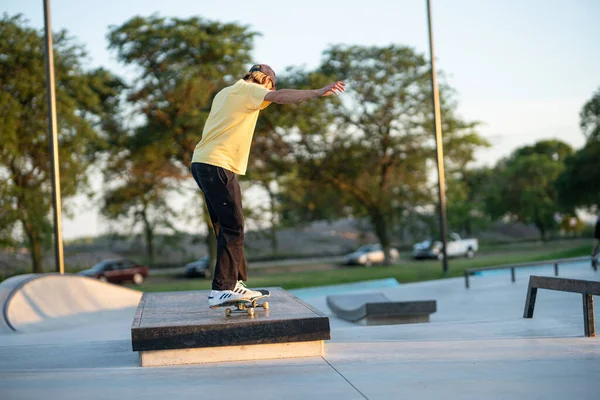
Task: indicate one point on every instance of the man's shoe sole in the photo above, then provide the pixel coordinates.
(230, 302)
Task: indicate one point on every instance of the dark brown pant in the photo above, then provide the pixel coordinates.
(224, 202)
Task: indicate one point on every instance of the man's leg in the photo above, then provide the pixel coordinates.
(236, 197)
(223, 196)
(214, 218)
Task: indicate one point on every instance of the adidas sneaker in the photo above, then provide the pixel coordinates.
(239, 292)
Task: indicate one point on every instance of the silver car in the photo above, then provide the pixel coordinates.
(370, 254)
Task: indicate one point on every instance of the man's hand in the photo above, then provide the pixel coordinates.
(333, 88)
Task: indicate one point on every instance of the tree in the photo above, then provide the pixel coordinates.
(465, 187)
(303, 201)
(466, 197)
(590, 117)
(143, 179)
(85, 101)
(181, 64)
(552, 149)
(524, 188)
(579, 185)
(378, 140)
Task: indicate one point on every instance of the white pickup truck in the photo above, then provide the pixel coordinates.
(457, 247)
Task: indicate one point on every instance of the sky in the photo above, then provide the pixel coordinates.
(524, 69)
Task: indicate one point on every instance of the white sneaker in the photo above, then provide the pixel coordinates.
(240, 292)
(240, 287)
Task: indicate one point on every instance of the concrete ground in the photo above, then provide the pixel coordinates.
(477, 346)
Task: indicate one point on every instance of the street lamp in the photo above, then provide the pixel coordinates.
(53, 139)
(439, 145)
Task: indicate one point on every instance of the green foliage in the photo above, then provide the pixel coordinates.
(143, 180)
(590, 117)
(524, 185)
(551, 149)
(579, 184)
(303, 201)
(181, 64)
(84, 99)
(466, 196)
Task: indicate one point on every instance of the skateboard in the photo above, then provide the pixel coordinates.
(246, 306)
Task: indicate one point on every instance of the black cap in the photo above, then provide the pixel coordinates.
(265, 69)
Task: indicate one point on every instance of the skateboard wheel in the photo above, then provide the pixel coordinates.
(228, 312)
(254, 303)
(265, 305)
(251, 312)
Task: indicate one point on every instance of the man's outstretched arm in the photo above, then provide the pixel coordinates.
(291, 96)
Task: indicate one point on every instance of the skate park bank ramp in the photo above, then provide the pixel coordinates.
(378, 309)
(43, 302)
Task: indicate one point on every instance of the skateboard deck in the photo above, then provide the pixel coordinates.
(246, 306)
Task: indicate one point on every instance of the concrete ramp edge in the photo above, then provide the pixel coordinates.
(354, 307)
(8, 287)
(38, 301)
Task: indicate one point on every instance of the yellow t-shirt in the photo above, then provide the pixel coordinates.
(228, 131)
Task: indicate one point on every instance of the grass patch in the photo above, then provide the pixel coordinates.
(410, 271)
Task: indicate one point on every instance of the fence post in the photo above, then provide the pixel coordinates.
(512, 273)
(555, 269)
(588, 315)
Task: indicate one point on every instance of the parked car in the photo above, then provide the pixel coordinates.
(117, 271)
(457, 247)
(198, 268)
(370, 254)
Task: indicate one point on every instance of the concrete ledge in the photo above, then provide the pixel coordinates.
(159, 358)
(377, 309)
(182, 320)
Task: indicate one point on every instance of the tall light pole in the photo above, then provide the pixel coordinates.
(437, 123)
(53, 139)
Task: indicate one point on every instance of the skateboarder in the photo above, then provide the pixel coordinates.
(596, 249)
(222, 154)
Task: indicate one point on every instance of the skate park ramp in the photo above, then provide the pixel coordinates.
(7, 287)
(45, 302)
(377, 309)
